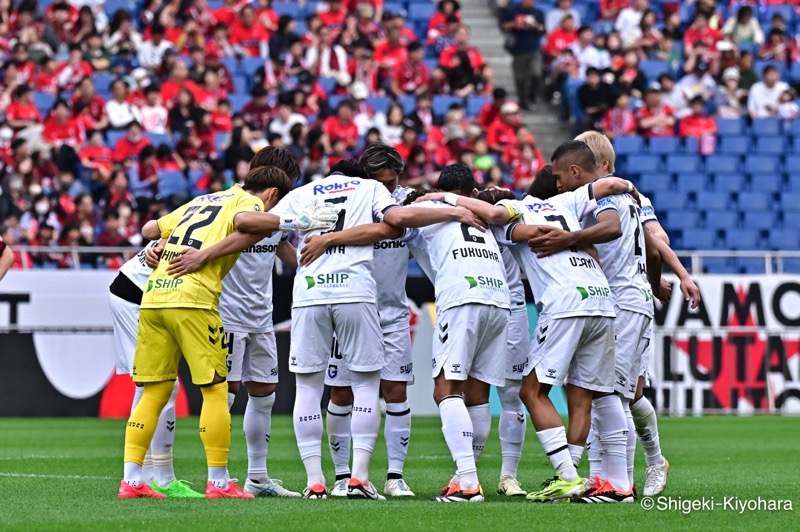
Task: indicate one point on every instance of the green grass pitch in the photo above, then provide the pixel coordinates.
(62, 474)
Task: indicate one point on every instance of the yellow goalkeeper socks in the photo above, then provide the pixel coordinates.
(215, 424)
(144, 418)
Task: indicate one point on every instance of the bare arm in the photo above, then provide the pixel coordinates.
(554, 240)
(668, 257)
(257, 223)
(151, 231)
(608, 186)
(361, 235)
(6, 261)
(657, 231)
(190, 259)
(422, 216)
(653, 258)
(494, 214)
(287, 253)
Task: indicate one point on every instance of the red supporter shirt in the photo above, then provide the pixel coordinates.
(390, 56)
(335, 129)
(125, 149)
(258, 117)
(559, 40)
(20, 111)
(96, 106)
(708, 36)
(500, 133)
(44, 82)
(438, 23)
(334, 20)
(83, 70)
(488, 113)
(67, 133)
(410, 77)
(170, 91)
(697, 126)
(475, 57)
(645, 112)
(267, 14)
(100, 155)
(227, 15)
(250, 38)
(26, 72)
(221, 122)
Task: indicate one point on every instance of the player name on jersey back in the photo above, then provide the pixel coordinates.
(136, 268)
(344, 274)
(569, 283)
(463, 264)
(623, 259)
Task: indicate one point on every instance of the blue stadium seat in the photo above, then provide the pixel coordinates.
(794, 125)
(741, 239)
(643, 164)
(112, 6)
(770, 183)
(409, 103)
(431, 64)
(730, 126)
(770, 145)
(793, 180)
(419, 11)
(664, 145)
(249, 65)
(786, 11)
(286, 8)
(44, 102)
(713, 200)
(240, 84)
(669, 201)
(171, 184)
(654, 68)
(788, 239)
(761, 164)
(728, 182)
(691, 145)
(112, 137)
(655, 182)
(760, 65)
(794, 75)
(751, 265)
(722, 164)
(691, 182)
(735, 145)
(476, 103)
(230, 63)
(194, 177)
(719, 266)
(334, 100)
(681, 219)
(238, 101)
(762, 127)
(792, 164)
(628, 145)
(761, 221)
(102, 82)
(327, 84)
(677, 164)
(721, 219)
(441, 104)
(790, 202)
(379, 103)
(791, 265)
(699, 239)
(392, 7)
(221, 140)
(160, 138)
(756, 201)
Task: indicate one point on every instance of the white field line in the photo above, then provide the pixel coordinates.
(37, 475)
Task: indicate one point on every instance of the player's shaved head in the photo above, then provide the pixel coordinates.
(278, 157)
(495, 194)
(260, 179)
(602, 149)
(457, 178)
(545, 184)
(350, 168)
(378, 157)
(577, 153)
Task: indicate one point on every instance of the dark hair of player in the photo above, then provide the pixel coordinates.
(279, 157)
(545, 185)
(378, 157)
(414, 194)
(577, 153)
(495, 194)
(350, 168)
(457, 178)
(264, 177)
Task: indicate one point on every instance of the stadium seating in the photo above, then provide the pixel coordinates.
(737, 239)
(628, 145)
(708, 200)
(663, 145)
(677, 164)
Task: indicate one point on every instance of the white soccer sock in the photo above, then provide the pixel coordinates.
(397, 432)
(644, 418)
(365, 421)
(631, 450)
(338, 424)
(163, 441)
(576, 453)
(132, 473)
(512, 427)
(611, 427)
(231, 399)
(554, 443)
(481, 418)
(218, 475)
(457, 430)
(257, 424)
(308, 423)
(594, 451)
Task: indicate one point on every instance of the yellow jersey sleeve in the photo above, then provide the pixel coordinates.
(514, 214)
(166, 224)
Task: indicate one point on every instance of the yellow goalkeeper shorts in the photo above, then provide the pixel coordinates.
(166, 333)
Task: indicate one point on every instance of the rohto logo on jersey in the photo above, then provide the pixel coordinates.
(485, 282)
(328, 280)
(170, 285)
(594, 292)
(540, 207)
(334, 188)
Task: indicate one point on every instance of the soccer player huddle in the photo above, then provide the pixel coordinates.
(589, 244)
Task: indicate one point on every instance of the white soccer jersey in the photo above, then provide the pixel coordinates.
(623, 259)
(513, 278)
(136, 268)
(390, 272)
(344, 273)
(648, 214)
(569, 283)
(245, 304)
(463, 264)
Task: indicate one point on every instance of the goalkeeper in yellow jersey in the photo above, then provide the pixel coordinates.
(179, 317)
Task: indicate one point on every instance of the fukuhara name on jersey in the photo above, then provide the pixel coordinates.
(136, 268)
(390, 272)
(623, 259)
(463, 264)
(246, 301)
(344, 273)
(569, 283)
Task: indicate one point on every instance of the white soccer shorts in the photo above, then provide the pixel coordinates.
(125, 320)
(633, 336)
(648, 355)
(578, 351)
(470, 340)
(356, 326)
(397, 363)
(252, 357)
(519, 344)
